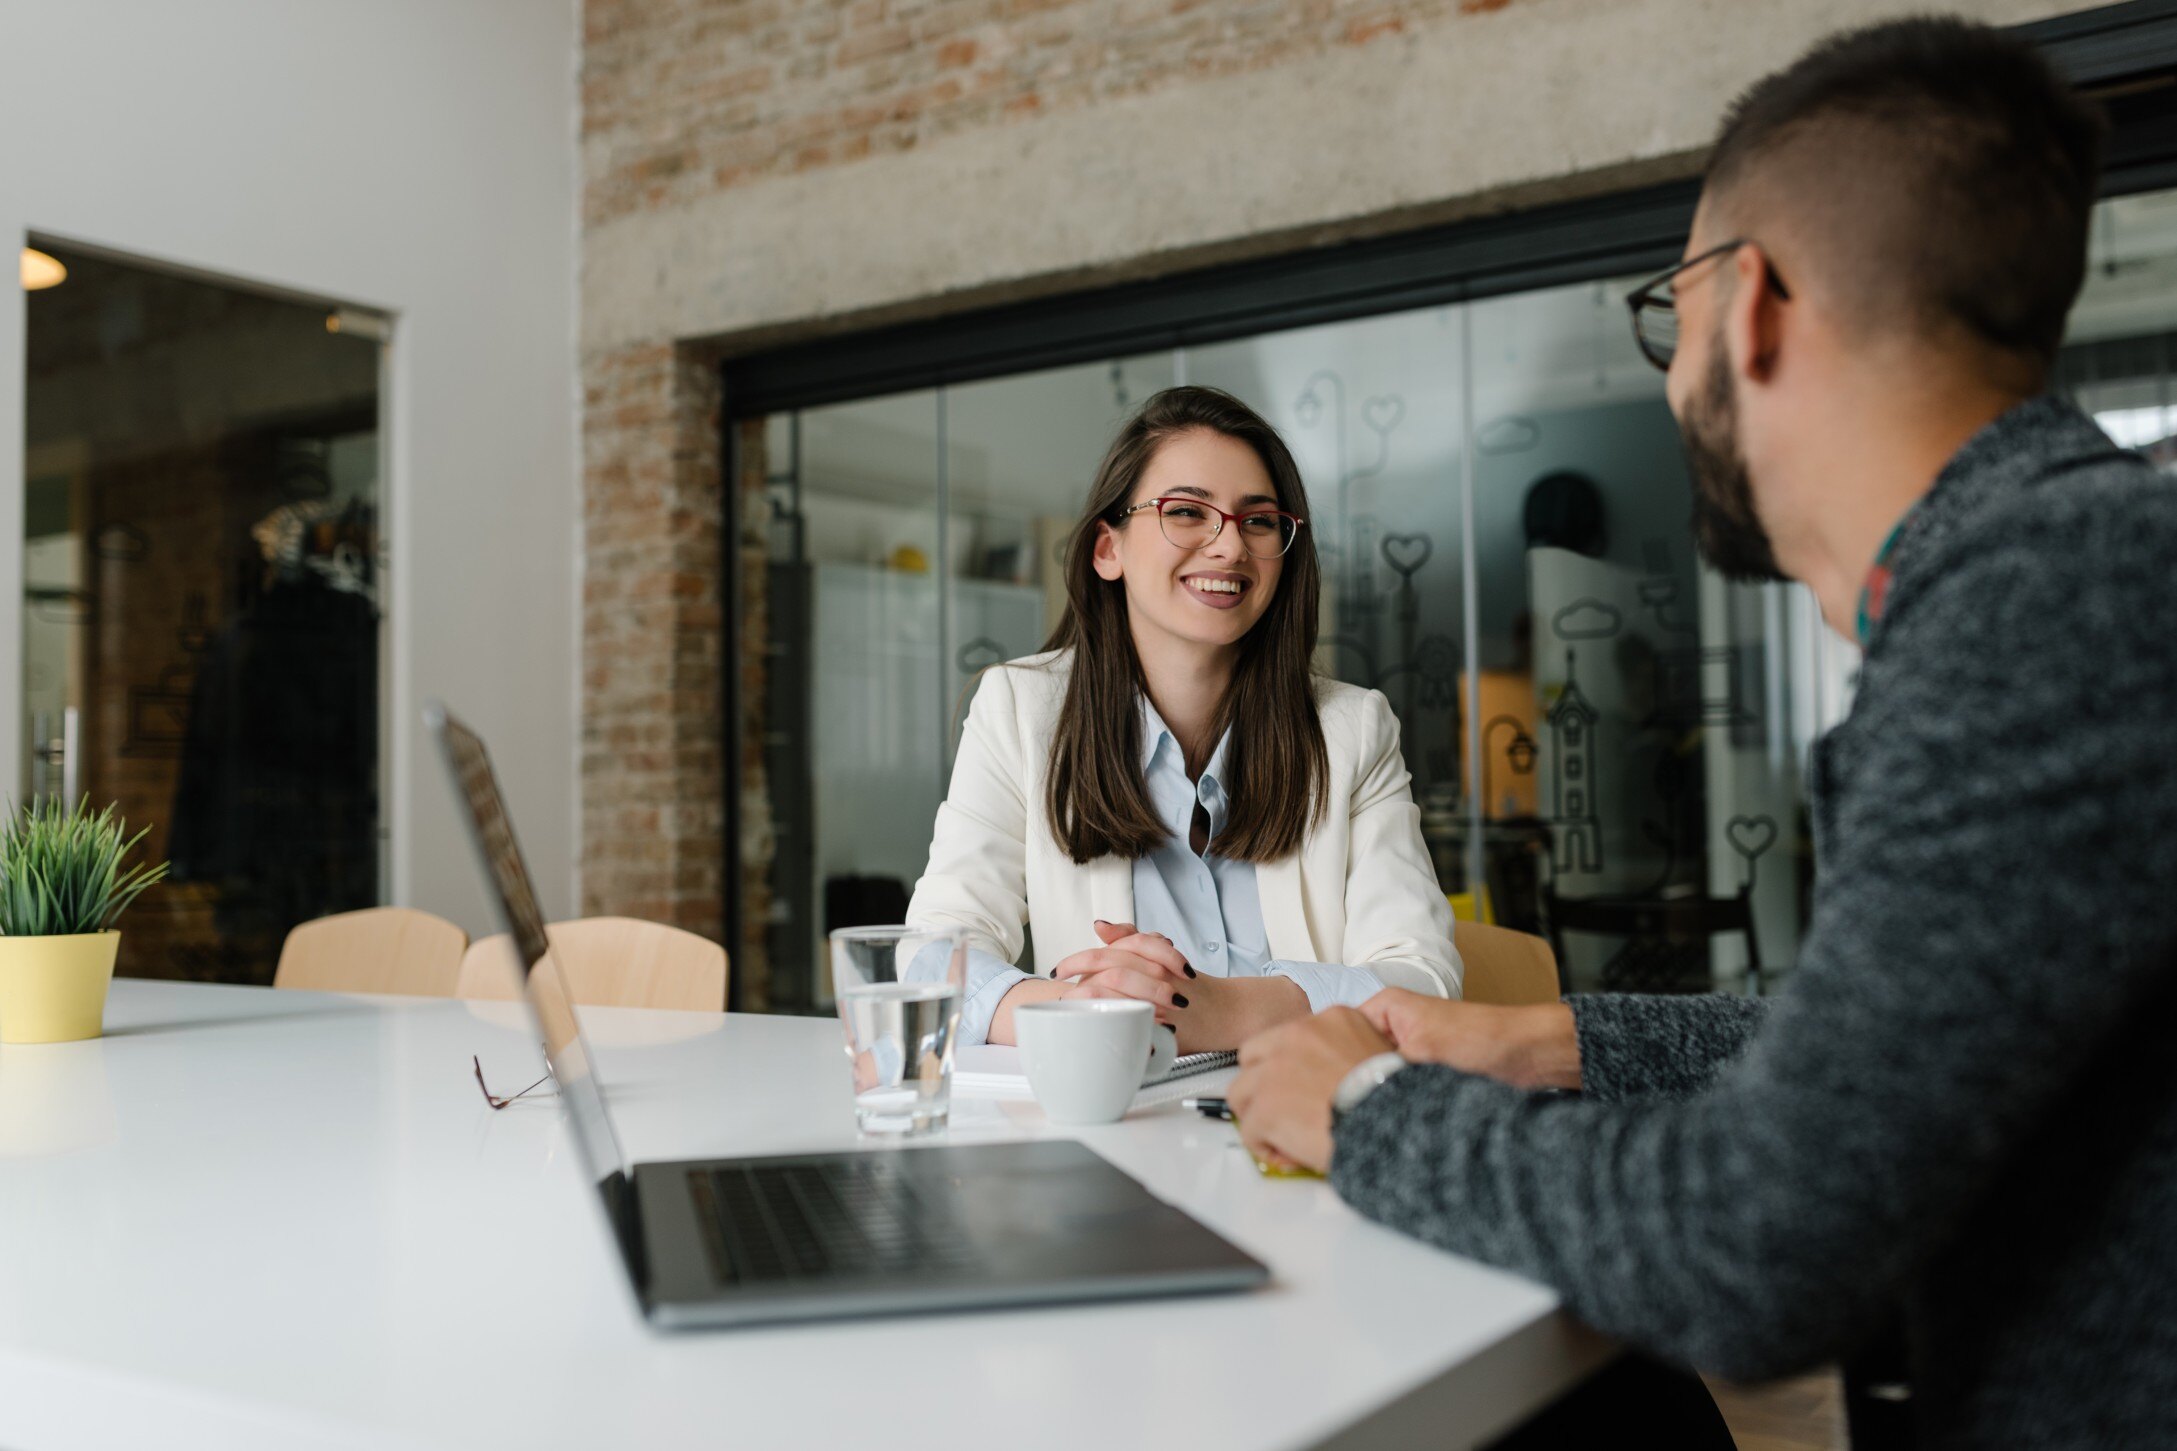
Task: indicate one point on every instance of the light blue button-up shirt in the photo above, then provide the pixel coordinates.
(1206, 904)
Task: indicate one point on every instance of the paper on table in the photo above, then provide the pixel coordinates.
(992, 1070)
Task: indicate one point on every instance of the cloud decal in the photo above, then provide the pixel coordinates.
(1587, 619)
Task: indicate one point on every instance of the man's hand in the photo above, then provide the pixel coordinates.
(1529, 1047)
(1287, 1079)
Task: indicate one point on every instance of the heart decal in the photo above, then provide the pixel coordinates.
(1750, 835)
(1406, 553)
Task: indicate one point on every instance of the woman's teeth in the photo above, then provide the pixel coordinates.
(1218, 586)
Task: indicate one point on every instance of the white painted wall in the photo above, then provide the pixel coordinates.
(412, 155)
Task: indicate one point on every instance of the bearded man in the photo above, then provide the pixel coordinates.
(1963, 1103)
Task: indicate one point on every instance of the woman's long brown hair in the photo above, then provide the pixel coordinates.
(1277, 771)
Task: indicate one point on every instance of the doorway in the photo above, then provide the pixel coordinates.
(203, 577)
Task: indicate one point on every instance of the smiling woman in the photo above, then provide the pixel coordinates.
(1168, 793)
(1182, 629)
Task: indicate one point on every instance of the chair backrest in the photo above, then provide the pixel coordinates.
(375, 950)
(1671, 922)
(610, 962)
(1504, 968)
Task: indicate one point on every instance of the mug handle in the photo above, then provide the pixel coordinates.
(1163, 1052)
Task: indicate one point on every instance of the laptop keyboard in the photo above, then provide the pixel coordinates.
(774, 1222)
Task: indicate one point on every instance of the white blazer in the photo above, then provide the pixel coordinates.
(1360, 891)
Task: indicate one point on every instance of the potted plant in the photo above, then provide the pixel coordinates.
(62, 886)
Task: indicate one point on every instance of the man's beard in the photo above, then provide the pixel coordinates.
(1726, 529)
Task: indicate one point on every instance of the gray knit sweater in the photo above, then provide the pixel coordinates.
(1965, 1100)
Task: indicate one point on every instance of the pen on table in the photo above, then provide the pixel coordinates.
(1209, 1107)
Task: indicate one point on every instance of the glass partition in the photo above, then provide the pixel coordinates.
(201, 638)
(1607, 741)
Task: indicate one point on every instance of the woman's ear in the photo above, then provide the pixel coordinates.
(1105, 556)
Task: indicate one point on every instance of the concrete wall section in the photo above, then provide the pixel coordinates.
(408, 155)
(1148, 161)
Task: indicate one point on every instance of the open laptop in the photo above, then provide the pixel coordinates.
(843, 1233)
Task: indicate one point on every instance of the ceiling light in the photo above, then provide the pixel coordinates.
(40, 270)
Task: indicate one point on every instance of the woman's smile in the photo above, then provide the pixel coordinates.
(1219, 589)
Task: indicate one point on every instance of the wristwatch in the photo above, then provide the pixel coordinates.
(1364, 1078)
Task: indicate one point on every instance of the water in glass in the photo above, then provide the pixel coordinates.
(899, 995)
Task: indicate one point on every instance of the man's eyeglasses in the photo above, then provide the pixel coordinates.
(494, 1099)
(1193, 523)
(1655, 303)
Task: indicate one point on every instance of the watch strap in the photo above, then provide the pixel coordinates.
(1364, 1078)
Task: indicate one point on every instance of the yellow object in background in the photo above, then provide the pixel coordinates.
(909, 560)
(53, 989)
(1463, 907)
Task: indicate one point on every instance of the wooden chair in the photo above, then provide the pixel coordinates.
(1504, 968)
(610, 962)
(375, 950)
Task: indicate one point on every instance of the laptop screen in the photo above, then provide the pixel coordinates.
(545, 986)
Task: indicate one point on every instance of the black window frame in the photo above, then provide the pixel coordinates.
(2126, 54)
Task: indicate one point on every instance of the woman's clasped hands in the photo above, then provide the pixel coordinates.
(1140, 965)
(1209, 1013)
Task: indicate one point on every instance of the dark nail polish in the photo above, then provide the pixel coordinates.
(1186, 969)
(1178, 1000)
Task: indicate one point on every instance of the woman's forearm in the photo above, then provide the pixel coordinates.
(1032, 990)
(1223, 1013)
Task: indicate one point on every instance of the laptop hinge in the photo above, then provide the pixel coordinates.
(624, 1213)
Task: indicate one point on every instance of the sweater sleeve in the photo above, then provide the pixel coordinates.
(1636, 1045)
(1976, 938)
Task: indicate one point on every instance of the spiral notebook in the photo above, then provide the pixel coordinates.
(992, 1070)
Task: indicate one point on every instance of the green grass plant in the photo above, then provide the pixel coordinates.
(61, 870)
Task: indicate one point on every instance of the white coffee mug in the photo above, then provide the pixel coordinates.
(1085, 1057)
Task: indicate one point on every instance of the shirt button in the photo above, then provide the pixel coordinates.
(1215, 946)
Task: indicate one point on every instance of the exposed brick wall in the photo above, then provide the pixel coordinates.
(683, 98)
(652, 782)
(156, 613)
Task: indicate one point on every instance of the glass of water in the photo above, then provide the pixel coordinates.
(899, 992)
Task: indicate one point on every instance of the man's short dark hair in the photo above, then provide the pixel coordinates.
(1940, 172)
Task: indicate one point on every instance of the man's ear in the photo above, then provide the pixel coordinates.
(1106, 554)
(1754, 316)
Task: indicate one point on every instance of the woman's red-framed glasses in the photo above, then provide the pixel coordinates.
(1194, 523)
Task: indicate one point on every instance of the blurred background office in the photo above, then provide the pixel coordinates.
(695, 394)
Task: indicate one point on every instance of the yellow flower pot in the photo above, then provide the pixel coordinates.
(53, 989)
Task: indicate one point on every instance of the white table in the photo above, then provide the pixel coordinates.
(249, 1218)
